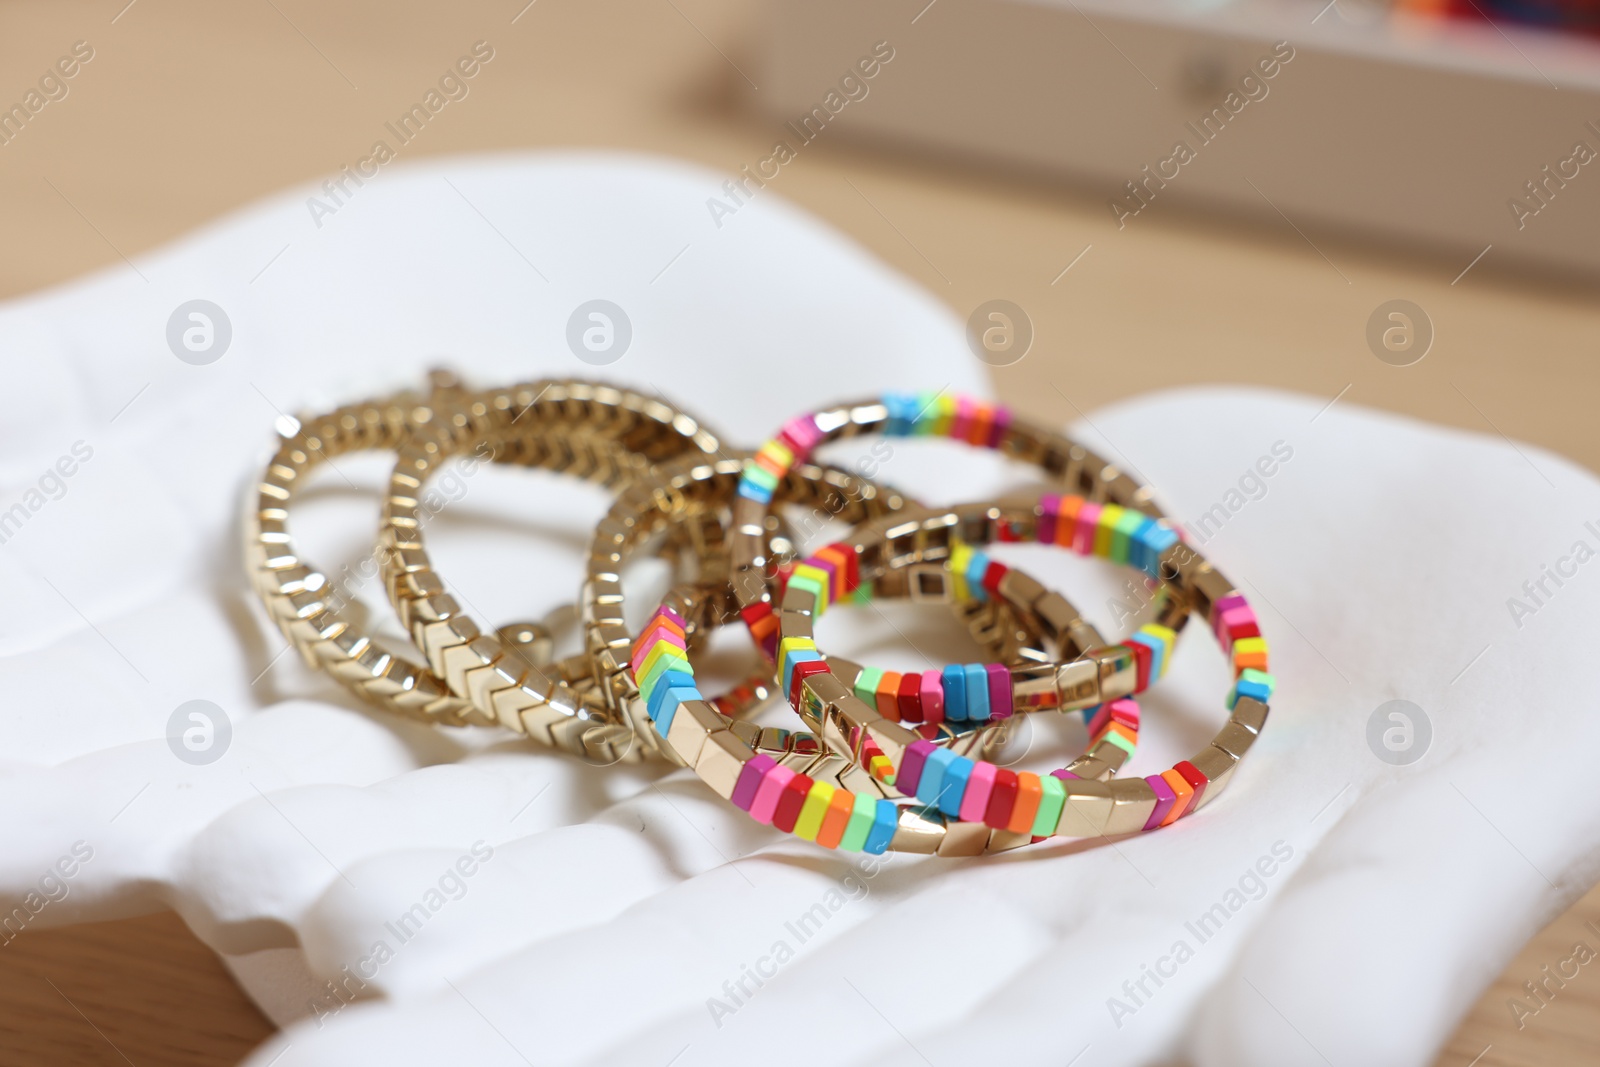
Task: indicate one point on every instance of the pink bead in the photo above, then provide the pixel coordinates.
(662, 635)
(1000, 699)
(1124, 710)
(767, 795)
(751, 775)
(975, 801)
(932, 696)
(1225, 605)
(1230, 618)
(1164, 800)
(1049, 515)
(1100, 719)
(911, 765)
(966, 410)
(1088, 523)
(805, 434)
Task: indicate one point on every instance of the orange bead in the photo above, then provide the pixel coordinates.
(1121, 730)
(1067, 520)
(1029, 792)
(1185, 793)
(770, 464)
(1256, 660)
(982, 426)
(836, 818)
(841, 563)
(889, 696)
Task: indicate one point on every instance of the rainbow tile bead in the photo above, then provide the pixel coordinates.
(769, 792)
(940, 414)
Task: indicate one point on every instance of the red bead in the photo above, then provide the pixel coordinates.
(909, 698)
(790, 801)
(1002, 798)
(799, 673)
(1141, 659)
(992, 575)
(1197, 781)
(763, 625)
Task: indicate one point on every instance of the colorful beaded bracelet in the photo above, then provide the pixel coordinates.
(1087, 678)
(662, 663)
(972, 693)
(978, 691)
(947, 415)
(1063, 803)
(837, 813)
(663, 666)
(694, 491)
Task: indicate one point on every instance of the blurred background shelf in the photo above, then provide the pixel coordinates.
(1371, 122)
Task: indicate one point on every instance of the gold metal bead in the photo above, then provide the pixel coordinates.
(1250, 713)
(722, 757)
(1087, 808)
(919, 831)
(1035, 688)
(694, 721)
(1133, 802)
(1234, 740)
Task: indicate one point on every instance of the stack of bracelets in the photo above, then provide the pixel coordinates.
(877, 760)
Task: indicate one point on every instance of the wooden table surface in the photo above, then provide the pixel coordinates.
(189, 110)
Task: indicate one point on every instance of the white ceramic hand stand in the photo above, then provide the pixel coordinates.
(505, 905)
